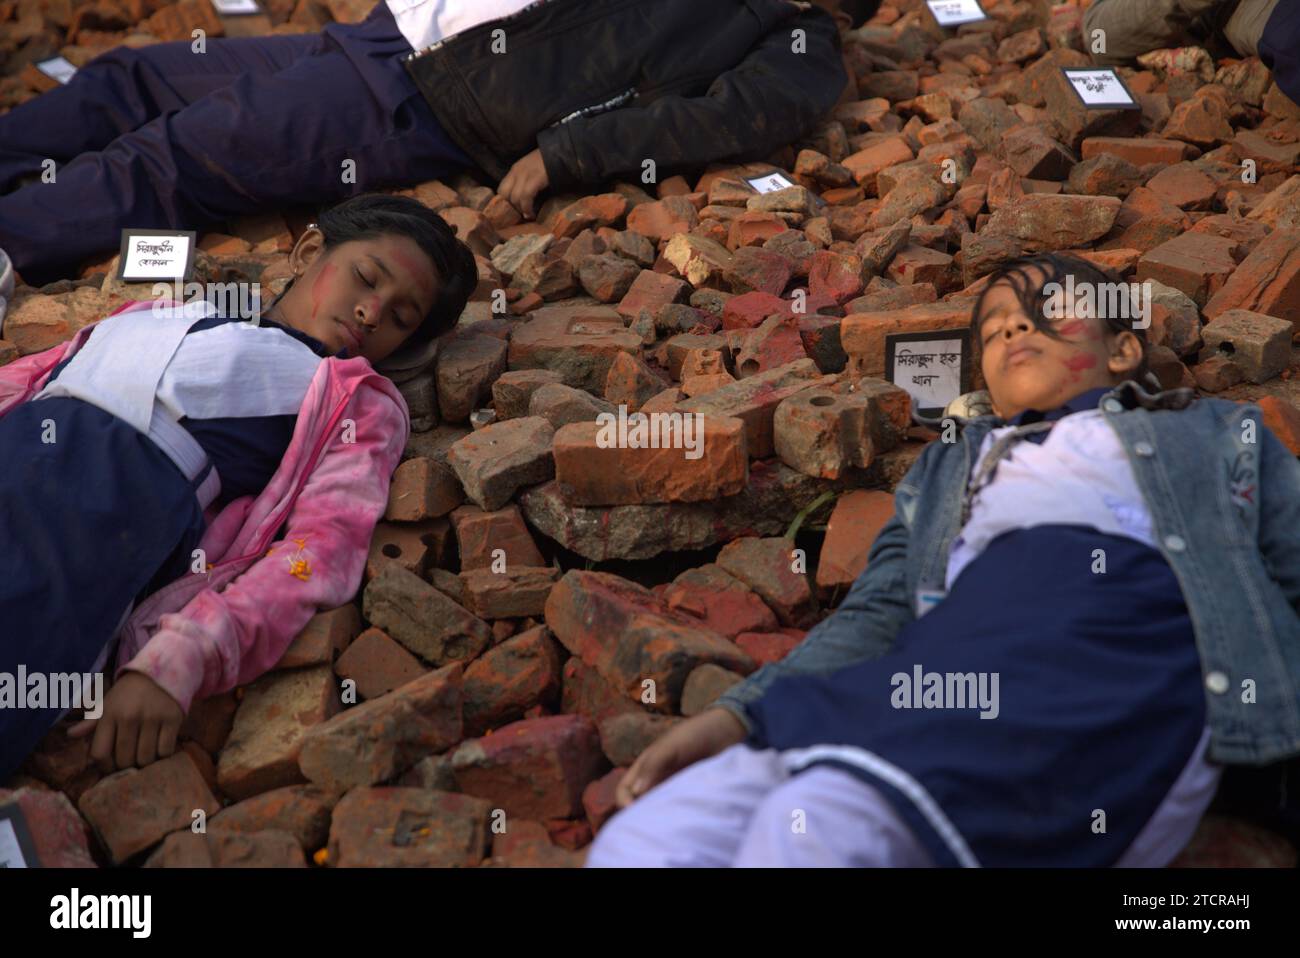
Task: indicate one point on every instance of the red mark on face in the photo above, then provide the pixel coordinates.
(1073, 328)
(419, 271)
(318, 287)
(1081, 362)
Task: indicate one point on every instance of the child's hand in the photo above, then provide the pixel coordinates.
(139, 725)
(525, 180)
(697, 738)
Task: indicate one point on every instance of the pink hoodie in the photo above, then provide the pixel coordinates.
(208, 632)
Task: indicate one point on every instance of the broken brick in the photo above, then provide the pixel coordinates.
(1259, 344)
(494, 462)
(595, 467)
(136, 808)
(496, 537)
(724, 603)
(578, 343)
(388, 827)
(512, 594)
(827, 430)
(630, 637)
(1196, 263)
(424, 620)
(464, 371)
(855, 522)
(374, 741)
(534, 768)
(754, 400)
(422, 489)
(377, 665)
(1267, 281)
(768, 567)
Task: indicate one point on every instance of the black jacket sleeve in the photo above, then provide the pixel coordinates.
(768, 100)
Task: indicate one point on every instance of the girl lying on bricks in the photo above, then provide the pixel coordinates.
(195, 487)
(532, 93)
(1083, 609)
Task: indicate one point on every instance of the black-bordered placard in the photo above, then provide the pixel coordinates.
(236, 8)
(153, 255)
(932, 366)
(17, 850)
(59, 69)
(953, 13)
(770, 182)
(1100, 89)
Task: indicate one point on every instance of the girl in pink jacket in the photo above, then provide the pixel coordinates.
(197, 487)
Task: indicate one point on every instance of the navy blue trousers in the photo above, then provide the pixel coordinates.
(1099, 702)
(89, 523)
(163, 137)
(1279, 47)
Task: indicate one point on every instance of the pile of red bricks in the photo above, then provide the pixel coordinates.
(502, 681)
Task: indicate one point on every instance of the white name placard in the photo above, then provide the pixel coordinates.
(1101, 89)
(57, 68)
(16, 848)
(930, 367)
(155, 254)
(235, 8)
(953, 13)
(770, 182)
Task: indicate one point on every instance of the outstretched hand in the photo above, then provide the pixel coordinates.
(139, 724)
(525, 180)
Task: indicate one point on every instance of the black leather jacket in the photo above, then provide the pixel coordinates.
(600, 86)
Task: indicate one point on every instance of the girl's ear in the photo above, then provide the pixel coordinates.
(310, 246)
(1126, 354)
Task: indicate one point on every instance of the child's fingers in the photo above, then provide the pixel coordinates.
(623, 796)
(101, 748)
(146, 750)
(167, 738)
(84, 727)
(635, 781)
(128, 732)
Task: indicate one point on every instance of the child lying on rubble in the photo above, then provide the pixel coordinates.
(198, 486)
(1081, 607)
(1268, 29)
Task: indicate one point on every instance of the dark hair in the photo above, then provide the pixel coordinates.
(1055, 268)
(379, 214)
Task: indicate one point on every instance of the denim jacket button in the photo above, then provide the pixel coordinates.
(1112, 405)
(1216, 682)
(1175, 543)
(1144, 450)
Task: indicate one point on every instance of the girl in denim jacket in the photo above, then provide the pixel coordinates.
(1074, 618)
(197, 487)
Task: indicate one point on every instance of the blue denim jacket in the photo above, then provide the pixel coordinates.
(1224, 496)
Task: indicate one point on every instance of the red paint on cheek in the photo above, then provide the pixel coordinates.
(1073, 328)
(1077, 364)
(1081, 362)
(419, 270)
(318, 287)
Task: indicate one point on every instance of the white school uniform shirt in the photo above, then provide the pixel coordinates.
(1078, 475)
(426, 22)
